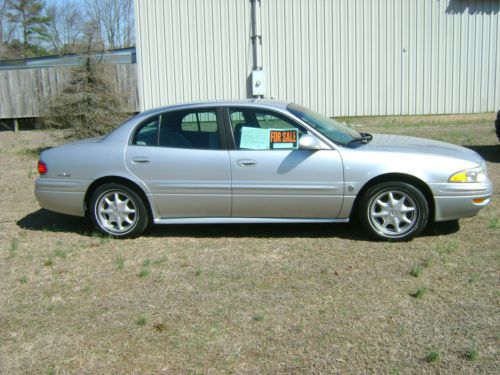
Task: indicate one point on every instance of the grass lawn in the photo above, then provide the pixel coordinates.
(248, 299)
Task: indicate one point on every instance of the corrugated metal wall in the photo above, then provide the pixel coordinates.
(340, 57)
(192, 50)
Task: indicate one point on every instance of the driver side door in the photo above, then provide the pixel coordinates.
(272, 177)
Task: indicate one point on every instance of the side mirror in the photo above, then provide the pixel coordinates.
(310, 142)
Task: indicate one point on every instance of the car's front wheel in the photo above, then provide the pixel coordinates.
(118, 210)
(395, 211)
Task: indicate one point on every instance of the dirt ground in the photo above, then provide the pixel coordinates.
(247, 299)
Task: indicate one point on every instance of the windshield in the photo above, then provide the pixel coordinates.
(331, 129)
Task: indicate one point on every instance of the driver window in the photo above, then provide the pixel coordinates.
(263, 130)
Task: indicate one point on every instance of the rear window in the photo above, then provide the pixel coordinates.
(180, 129)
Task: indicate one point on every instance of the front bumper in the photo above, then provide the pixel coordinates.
(459, 200)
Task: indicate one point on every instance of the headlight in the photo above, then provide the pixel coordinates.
(477, 174)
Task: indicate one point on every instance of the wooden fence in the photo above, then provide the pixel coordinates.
(23, 92)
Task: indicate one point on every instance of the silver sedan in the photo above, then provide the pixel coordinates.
(259, 162)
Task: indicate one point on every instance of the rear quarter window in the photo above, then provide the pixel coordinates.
(147, 133)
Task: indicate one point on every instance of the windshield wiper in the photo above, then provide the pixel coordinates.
(364, 139)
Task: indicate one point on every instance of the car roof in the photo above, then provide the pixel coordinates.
(261, 103)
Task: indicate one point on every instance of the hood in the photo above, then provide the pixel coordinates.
(414, 145)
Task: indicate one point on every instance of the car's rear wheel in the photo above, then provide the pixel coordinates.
(394, 211)
(118, 210)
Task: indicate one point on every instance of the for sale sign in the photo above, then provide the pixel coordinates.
(283, 138)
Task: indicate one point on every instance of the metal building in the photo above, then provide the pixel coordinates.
(340, 57)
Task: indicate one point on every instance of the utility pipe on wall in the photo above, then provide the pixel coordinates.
(258, 74)
(256, 35)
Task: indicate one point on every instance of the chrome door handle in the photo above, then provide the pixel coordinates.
(140, 160)
(246, 163)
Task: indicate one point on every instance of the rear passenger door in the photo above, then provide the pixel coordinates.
(182, 157)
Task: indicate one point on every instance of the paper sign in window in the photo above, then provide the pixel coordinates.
(254, 138)
(283, 138)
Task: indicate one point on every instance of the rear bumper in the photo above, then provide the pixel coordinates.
(63, 196)
(455, 201)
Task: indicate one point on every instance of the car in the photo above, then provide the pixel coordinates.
(259, 161)
(497, 125)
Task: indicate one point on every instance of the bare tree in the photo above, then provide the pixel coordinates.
(128, 35)
(115, 19)
(65, 29)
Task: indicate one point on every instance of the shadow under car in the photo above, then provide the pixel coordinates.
(44, 220)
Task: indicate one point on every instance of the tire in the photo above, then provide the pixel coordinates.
(118, 211)
(394, 211)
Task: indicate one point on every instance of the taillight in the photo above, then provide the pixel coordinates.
(42, 167)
